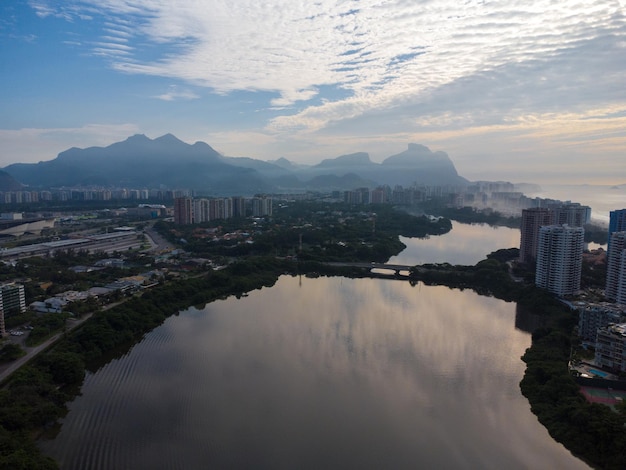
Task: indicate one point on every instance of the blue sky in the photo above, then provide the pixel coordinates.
(518, 91)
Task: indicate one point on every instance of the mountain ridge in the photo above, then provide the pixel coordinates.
(139, 161)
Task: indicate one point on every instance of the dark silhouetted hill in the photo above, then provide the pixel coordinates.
(8, 183)
(141, 162)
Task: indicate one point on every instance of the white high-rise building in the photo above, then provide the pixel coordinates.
(261, 206)
(559, 259)
(616, 268)
(201, 211)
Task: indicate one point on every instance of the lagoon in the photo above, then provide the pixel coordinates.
(317, 373)
(323, 373)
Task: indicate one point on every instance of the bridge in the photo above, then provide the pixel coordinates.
(396, 268)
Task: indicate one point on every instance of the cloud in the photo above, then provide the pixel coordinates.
(545, 72)
(176, 94)
(371, 48)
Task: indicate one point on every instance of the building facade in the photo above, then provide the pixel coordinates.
(12, 302)
(591, 317)
(183, 210)
(611, 347)
(559, 259)
(574, 215)
(532, 220)
(615, 288)
(617, 223)
(261, 206)
(188, 210)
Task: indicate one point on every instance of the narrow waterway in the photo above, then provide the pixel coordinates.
(465, 244)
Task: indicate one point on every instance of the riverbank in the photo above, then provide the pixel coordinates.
(591, 431)
(35, 397)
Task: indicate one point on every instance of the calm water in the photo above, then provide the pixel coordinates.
(324, 373)
(465, 244)
(317, 373)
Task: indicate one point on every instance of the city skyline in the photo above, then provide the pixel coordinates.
(519, 93)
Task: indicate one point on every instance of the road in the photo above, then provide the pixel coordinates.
(158, 244)
(8, 368)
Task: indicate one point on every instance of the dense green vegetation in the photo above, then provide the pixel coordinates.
(9, 352)
(469, 215)
(591, 431)
(310, 230)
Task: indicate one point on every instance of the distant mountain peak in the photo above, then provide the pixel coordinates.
(417, 148)
(358, 158)
(167, 161)
(168, 139)
(417, 153)
(137, 138)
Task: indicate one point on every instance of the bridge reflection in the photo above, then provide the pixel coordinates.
(399, 270)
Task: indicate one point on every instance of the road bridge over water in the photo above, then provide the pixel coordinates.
(396, 268)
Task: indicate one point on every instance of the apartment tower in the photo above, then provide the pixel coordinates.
(183, 210)
(559, 259)
(532, 220)
(616, 268)
(617, 223)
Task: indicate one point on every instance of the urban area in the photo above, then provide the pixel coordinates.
(89, 254)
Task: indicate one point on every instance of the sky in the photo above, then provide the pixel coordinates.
(524, 90)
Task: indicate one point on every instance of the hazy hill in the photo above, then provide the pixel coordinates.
(8, 183)
(418, 163)
(140, 162)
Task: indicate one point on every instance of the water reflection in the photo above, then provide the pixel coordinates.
(465, 244)
(337, 373)
(528, 321)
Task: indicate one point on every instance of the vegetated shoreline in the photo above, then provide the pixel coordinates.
(592, 432)
(36, 396)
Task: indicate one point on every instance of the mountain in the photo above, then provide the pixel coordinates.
(351, 160)
(8, 183)
(141, 162)
(419, 164)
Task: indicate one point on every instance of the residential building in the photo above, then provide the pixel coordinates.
(592, 316)
(559, 259)
(616, 268)
(378, 196)
(572, 214)
(611, 347)
(183, 210)
(261, 206)
(201, 211)
(239, 206)
(12, 302)
(617, 223)
(532, 220)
